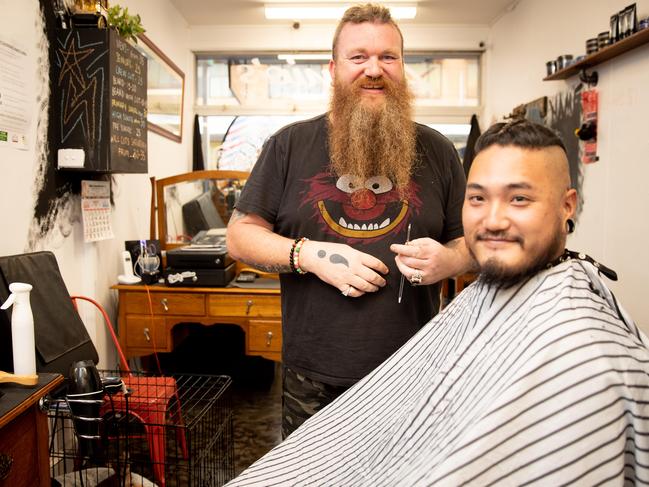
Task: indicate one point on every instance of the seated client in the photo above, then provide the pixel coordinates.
(533, 374)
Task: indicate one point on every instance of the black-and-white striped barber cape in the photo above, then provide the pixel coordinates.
(545, 383)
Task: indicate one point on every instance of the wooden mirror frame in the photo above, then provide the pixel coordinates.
(158, 203)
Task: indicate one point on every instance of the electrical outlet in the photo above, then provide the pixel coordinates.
(74, 158)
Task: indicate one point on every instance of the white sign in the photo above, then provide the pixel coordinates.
(14, 100)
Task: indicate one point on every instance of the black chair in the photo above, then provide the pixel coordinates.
(60, 335)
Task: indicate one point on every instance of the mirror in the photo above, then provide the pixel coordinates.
(194, 201)
(165, 91)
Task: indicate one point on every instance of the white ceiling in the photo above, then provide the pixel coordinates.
(251, 12)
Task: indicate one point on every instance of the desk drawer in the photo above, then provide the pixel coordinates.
(144, 332)
(18, 452)
(244, 305)
(264, 336)
(166, 304)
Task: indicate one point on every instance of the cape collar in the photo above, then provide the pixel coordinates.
(569, 254)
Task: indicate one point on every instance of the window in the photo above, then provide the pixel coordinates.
(243, 99)
(444, 81)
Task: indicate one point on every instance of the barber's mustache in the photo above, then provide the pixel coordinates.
(367, 82)
(377, 82)
(499, 236)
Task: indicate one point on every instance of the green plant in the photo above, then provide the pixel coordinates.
(128, 26)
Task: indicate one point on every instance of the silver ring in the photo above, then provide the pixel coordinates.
(416, 278)
(347, 291)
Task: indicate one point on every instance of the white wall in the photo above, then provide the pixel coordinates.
(89, 268)
(21, 24)
(614, 225)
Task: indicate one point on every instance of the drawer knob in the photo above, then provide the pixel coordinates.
(6, 461)
(164, 303)
(146, 335)
(248, 306)
(269, 337)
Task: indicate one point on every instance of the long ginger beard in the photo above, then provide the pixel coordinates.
(370, 138)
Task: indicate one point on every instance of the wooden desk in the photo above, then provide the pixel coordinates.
(24, 455)
(256, 311)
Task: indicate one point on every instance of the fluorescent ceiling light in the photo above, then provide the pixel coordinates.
(327, 12)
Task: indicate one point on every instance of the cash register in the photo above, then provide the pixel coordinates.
(204, 262)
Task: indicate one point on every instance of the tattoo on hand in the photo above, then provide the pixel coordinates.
(334, 259)
(338, 259)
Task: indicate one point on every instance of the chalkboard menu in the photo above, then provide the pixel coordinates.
(100, 94)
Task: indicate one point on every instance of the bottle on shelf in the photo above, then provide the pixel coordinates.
(22, 328)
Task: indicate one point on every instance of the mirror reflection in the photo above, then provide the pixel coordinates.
(190, 203)
(165, 91)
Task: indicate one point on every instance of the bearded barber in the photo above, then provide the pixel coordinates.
(325, 201)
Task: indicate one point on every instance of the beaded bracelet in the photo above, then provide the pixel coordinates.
(291, 255)
(294, 256)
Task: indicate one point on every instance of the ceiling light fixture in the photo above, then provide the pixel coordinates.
(321, 12)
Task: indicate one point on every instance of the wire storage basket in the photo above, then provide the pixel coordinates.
(144, 430)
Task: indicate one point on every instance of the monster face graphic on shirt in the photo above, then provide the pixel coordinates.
(360, 210)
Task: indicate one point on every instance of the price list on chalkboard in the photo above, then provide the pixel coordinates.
(100, 95)
(127, 105)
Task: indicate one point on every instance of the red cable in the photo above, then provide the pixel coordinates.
(101, 309)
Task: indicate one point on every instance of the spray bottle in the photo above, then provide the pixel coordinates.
(22, 328)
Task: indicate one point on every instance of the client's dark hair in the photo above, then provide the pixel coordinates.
(519, 133)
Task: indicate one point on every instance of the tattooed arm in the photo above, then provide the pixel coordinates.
(251, 239)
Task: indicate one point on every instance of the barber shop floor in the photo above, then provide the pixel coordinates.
(257, 420)
(256, 385)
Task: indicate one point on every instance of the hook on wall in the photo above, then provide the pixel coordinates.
(590, 79)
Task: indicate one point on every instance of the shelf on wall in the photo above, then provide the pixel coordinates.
(620, 47)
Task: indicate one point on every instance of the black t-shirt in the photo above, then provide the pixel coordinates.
(326, 336)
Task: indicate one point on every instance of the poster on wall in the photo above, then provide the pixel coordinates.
(14, 96)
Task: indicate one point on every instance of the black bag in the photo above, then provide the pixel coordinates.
(60, 335)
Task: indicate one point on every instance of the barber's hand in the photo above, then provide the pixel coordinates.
(354, 273)
(426, 258)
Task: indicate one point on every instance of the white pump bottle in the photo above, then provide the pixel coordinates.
(22, 329)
